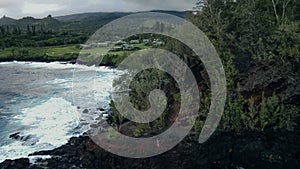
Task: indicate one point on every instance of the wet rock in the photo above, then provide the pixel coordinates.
(15, 136)
(100, 109)
(226, 149)
(15, 164)
(85, 111)
(28, 140)
(98, 118)
(94, 125)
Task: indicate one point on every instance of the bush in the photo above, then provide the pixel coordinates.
(142, 130)
(241, 114)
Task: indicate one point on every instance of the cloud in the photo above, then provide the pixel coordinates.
(38, 8)
(10, 7)
(8, 4)
(32, 8)
(165, 4)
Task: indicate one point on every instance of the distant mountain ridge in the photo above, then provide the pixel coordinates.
(81, 16)
(88, 22)
(47, 22)
(6, 20)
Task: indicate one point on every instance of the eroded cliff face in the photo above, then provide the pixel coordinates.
(270, 80)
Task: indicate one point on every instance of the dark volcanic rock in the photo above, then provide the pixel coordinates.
(100, 109)
(269, 149)
(15, 136)
(271, 79)
(27, 140)
(85, 111)
(15, 164)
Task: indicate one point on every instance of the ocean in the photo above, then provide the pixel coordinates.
(37, 105)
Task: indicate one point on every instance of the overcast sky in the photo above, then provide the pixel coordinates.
(41, 8)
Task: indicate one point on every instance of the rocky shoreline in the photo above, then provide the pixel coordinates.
(226, 149)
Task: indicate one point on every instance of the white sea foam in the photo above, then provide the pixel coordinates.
(51, 125)
(58, 65)
(55, 65)
(33, 159)
(62, 83)
(51, 122)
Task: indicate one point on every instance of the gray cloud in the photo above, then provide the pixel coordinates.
(8, 4)
(38, 8)
(165, 4)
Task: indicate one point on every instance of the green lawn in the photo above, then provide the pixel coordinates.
(61, 50)
(57, 53)
(65, 52)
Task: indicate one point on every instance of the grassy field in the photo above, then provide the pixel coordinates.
(40, 53)
(60, 53)
(61, 50)
(111, 57)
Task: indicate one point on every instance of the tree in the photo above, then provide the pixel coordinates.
(28, 30)
(280, 9)
(252, 34)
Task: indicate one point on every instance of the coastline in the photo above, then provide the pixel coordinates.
(68, 61)
(54, 90)
(226, 149)
(18, 137)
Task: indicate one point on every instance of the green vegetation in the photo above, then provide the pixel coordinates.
(53, 53)
(28, 33)
(258, 42)
(241, 114)
(251, 36)
(30, 39)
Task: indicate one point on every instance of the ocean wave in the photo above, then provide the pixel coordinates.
(43, 111)
(51, 124)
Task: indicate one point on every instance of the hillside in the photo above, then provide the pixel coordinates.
(86, 22)
(83, 16)
(101, 15)
(6, 20)
(46, 23)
